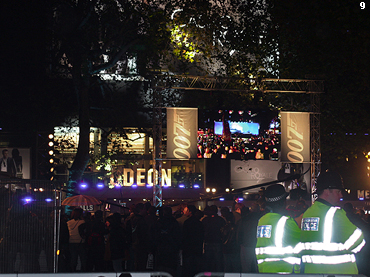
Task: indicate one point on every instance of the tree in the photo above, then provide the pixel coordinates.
(90, 37)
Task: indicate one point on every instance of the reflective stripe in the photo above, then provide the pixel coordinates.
(352, 239)
(289, 260)
(278, 249)
(327, 245)
(320, 259)
(279, 234)
(328, 225)
(359, 247)
(272, 250)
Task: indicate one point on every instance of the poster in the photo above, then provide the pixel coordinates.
(182, 127)
(15, 163)
(295, 137)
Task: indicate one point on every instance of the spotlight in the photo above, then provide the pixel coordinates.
(213, 190)
(222, 199)
(100, 185)
(27, 200)
(83, 186)
(208, 189)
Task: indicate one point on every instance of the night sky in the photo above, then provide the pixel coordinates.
(326, 39)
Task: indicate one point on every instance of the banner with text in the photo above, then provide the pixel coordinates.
(246, 173)
(295, 137)
(182, 127)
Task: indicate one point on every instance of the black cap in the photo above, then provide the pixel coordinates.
(329, 180)
(275, 193)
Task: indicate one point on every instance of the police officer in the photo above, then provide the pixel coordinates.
(277, 235)
(328, 239)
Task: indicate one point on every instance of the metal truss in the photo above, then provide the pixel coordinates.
(266, 85)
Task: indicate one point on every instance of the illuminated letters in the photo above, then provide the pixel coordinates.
(129, 177)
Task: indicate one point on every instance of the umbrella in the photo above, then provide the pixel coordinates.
(80, 200)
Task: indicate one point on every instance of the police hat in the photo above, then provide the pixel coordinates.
(329, 180)
(275, 193)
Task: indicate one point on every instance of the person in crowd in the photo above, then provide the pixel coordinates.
(329, 240)
(246, 237)
(167, 240)
(230, 247)
(140, 237)
(151, 218)
(76, 240)
(213, 258)
(180, 210)
(95, 243)
(185, 215)
(237, 211)
(192, 243)
(224, 212)
(117, 241)
(277, 235)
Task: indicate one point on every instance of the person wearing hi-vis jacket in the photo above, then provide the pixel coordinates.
(277, 235)
(329, 240)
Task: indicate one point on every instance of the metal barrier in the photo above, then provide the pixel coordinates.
(91, 274)
(224, 274)
(29, 216)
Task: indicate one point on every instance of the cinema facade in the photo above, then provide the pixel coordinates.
(188, 171)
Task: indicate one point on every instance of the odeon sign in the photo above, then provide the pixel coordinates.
(141, 178)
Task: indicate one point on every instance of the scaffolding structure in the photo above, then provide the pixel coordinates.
(267, 86)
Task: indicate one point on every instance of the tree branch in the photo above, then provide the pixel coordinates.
(113, 60)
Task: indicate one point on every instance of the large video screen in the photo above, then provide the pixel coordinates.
(238, 127)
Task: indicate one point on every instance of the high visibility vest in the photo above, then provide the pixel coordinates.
(277, 237)
(329, 240)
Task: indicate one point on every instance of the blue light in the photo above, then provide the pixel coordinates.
(134, 186)
(48, 200)
(100, 185)
(222, 199)
(361, 198)
(196, 186)
(117, 186)
(27, 200)
(83, 185)
(240, 199)
(182, 186)
(149, 185)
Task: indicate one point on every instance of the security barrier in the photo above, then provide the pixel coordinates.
(223, 274)
(91, 274)
(29, 216)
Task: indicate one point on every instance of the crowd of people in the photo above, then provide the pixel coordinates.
(238, 147)
(182, 242)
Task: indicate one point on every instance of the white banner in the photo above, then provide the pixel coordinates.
(295, 137)
(182, 128)
(253, 172)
